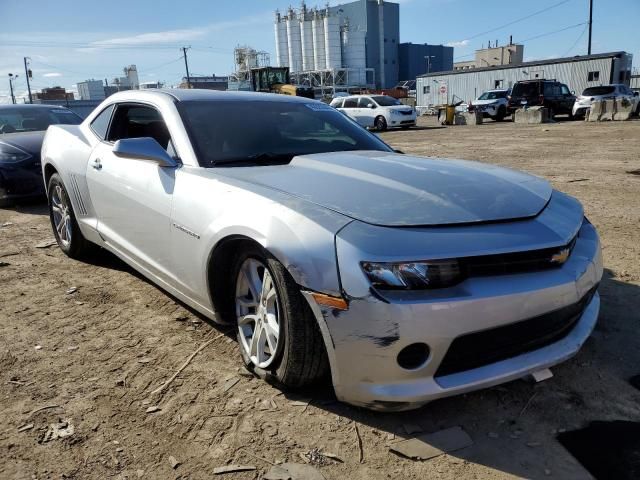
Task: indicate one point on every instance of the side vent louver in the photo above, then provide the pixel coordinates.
(75, 190)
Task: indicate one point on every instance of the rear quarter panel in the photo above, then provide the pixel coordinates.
(66, 148)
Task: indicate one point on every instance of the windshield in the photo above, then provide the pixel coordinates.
(236, 131)
(385, 101)
(492, 95)
(29, 119)
(529, 89)
(589, 92)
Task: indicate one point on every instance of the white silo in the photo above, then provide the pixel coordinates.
(282, 46)
(355, 56)
(333, 48)
(318, 42)
(294, 41)
(307, 44)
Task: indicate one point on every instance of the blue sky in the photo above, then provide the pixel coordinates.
(70, 41)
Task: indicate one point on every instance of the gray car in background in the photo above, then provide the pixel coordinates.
(403, 279)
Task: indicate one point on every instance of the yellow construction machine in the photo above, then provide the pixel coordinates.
(277, 80)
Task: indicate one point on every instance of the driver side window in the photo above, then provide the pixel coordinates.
(137, 121)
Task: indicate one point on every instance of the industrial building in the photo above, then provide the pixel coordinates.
(91, 90)
(577, 72)
(341, 47)
(207, 82)
(511, 53)
(417, 59)
(53, 93)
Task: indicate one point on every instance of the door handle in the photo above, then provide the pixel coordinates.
(97, 165)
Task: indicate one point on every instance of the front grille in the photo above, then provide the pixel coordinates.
(489, 346)
(407, 122)
(406, 112)
(511, 263)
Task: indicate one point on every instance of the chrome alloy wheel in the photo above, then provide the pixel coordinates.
(258, 312)
(61, 215)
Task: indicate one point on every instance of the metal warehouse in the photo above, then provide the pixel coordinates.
(577, 72)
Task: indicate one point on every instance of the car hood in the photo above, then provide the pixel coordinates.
(485, 102)
(390, 189)
(30, 142)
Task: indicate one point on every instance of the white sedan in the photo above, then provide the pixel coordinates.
(403, 279)
(376, 111)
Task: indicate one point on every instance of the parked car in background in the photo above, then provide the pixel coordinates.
(493, 104)
(551, 94)
(616, 90)
(403, 279)
(22, 129)
(376, 111)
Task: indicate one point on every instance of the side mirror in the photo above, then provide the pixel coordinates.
(371, 106)
(573, 92)
(636, 94)
(144, 148)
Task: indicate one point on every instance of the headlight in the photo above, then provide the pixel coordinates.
(413, 275)
(11, 154)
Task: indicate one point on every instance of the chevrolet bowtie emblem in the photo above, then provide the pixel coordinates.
(561, 256)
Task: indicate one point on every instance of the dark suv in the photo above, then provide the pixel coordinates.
(552, 94)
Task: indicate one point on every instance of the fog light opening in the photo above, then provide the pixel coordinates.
(414, 356)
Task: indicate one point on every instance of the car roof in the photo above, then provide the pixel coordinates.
(185, 95)
(30, 106)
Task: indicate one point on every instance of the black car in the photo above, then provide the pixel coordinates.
(551, 94)
(22, 129)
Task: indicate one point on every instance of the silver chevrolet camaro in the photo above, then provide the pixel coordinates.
(403, 279)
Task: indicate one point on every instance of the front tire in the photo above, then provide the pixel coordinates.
(380, 123)
(502, 112)
(278, 336)
(63, 221)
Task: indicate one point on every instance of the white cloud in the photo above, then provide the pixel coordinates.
(461, 43)
(152, 38)
(52, 74)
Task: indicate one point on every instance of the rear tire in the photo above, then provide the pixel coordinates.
(380, 123)
(63, 221)
(298, 358)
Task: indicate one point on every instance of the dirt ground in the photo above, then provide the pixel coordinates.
(88, 359)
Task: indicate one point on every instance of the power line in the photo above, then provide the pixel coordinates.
(570, 49)
(521, 19)
(553, 32)
(542, 35)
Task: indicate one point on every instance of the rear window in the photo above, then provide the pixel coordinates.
(592, 91)
(525, 89)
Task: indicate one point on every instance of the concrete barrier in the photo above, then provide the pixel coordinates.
(468, 118)
(624, 109)
(532, 115)
(619, 109)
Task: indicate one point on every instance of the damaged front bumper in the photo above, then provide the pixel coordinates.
(365, 342)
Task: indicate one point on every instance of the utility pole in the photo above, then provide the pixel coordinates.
(13, 97)
(27, 75)
(590, 24)
(186, 65)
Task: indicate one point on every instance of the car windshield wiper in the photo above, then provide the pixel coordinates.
(263, 158)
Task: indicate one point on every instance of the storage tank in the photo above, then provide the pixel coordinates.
(318, 42)
(282, 45)
(306, 28)
(333, 48)
(355, 56)
(294, 42)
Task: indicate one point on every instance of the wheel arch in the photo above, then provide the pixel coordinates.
(48, 171)
(218, 272)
